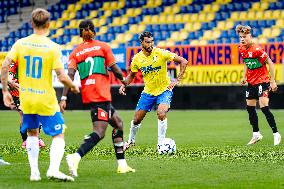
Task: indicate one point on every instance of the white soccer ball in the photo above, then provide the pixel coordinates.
(168, 146)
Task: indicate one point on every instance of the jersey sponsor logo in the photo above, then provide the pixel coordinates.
(252, 63)
(102, 115)
(150, 69)
(94, 48)
(250, 54)
(90, 82)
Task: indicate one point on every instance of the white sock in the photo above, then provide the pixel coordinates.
(133, 131)
(256, 133)
(56, 154)
(33, 151)
(77, 156)
(121, 162)
(162, 129)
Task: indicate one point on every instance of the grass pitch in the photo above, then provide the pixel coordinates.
(211, 153)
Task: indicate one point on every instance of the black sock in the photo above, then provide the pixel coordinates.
(118, 146)
(253, 118)
(270, 118)
(89, 142)
(24, 136)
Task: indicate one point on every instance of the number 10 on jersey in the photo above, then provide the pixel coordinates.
(33, 66)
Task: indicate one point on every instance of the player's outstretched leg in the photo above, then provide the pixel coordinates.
(73, 160)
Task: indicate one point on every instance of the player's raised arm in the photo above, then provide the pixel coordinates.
(273, 84)
(7, 97)
(183, 64)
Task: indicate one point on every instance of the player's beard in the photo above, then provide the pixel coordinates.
(148, 49)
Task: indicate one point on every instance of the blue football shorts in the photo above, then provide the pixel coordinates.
(51, 125)
(147, 101)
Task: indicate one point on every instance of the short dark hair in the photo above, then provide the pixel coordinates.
(86, 25)
(145, 34)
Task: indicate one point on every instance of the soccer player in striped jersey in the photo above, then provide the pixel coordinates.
(14, 90)
(152, 62)
(92, 58)
(259, 82)
(37, 56)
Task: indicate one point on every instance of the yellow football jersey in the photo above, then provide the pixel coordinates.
(154, 70)
(37, 56)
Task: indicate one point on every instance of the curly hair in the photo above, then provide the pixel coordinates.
(145, 34)
(87, 30)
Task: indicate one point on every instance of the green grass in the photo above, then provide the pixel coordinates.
(211, 153)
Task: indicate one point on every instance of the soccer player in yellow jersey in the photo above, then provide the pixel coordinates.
(158, 88)
(37, 56)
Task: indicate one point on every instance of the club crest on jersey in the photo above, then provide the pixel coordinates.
(250, 54)
(155, 58)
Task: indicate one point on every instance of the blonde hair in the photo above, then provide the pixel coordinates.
(243, 29)
(40, 18)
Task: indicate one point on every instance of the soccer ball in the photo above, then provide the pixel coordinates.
(168, 146)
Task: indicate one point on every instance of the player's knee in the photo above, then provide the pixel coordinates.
(32, 132)
(136, 120)
(161, 115)
(100, 133)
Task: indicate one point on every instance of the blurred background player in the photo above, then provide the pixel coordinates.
(158, 88)
(37, 56)
(13, 84)
(92, 58)
(259, 82)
